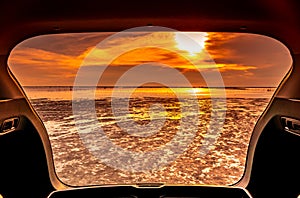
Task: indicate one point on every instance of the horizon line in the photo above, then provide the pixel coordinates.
(109, 86)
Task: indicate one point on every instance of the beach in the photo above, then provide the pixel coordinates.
(222, 164)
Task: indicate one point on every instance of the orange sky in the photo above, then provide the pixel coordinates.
(246, 60)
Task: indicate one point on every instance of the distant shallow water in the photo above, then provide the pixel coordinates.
(222, 165)
(65, 92)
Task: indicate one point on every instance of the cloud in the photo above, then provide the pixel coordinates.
(255, 59)
(55, 59)
(65, 44)
(34, 66)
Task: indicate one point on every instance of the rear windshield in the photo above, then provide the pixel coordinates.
(149, 106)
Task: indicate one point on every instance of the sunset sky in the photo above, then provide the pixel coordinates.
(245, 60)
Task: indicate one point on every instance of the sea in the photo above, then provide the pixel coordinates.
(175, 135)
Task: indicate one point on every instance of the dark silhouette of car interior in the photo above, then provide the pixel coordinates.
(272, 167)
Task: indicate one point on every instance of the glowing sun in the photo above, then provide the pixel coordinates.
(192, 42)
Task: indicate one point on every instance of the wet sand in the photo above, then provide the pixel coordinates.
(222, 165)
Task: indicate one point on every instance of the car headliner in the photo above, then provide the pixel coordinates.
(22, 19)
